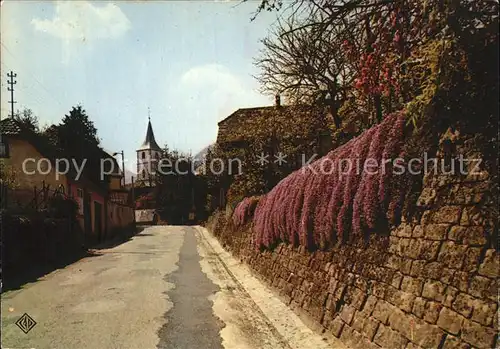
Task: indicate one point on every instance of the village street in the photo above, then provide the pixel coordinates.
(167, 287)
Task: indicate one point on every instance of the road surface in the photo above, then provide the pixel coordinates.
(168, 287)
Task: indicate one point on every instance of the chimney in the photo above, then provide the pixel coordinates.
(277, 100)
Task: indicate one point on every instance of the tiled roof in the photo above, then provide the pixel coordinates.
(250, 123)
(10, 127)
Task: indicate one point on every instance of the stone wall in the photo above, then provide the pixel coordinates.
(432, 282)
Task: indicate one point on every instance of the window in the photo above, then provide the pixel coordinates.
(143, 155)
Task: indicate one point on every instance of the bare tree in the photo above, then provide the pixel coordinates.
(307, 65)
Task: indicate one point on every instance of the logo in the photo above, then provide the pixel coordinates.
(26, 323)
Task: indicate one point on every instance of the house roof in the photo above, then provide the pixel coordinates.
(149, 142)
(10, 127)
(246, 124)
(117, 172)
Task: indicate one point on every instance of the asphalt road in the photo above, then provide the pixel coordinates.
(167, 287)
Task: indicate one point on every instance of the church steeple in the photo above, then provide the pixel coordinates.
(150, 142)
(148, 157)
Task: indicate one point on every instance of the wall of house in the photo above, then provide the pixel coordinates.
(432, 282)
(120, 217)
(19, 151)
(145, 216)
(115, 183)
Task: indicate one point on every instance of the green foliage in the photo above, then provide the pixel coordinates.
(8, 175)
(76, 137)
(28, 119)
(77, 133)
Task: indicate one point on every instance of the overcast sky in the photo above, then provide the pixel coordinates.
(189, 62)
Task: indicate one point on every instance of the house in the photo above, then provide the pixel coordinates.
(302, 126)
(32, 161)
(292, 133)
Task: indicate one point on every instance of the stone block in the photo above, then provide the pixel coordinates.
(479, 286)
(472, 256)
(434, 290)
(387, 338)
(330, 302)
(436, 231)
(463, 304)
(355, 297)
(432, 310)
(402, 300)
(447, 276)
(416, 330)
(484, 312)
(450, 294)
(379, 289)
(412, 285)
(477, 335)
(369, 305)
(452, 254)
(396, 280)
(429, 250)
(450, 321)
(491, 264)
(447, 214)
(399, 263)
(432, 270)
(327, 318)
(403, 230)
(492, 293)
(427, 197)
(417, 268)
(358, 322)
(461, 280)
(370, 327)
(400, 246)
(347, 313)
(419, 307)
(473, 235)
(382, 311)
(336, 326)
(418, 231)
(454, 343)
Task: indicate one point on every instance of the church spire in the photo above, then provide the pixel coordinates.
(150, 142)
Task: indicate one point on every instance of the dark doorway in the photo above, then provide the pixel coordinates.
(87, 216)
(98, 220)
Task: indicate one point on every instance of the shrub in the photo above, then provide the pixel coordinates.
(62, 207)
(330, 200)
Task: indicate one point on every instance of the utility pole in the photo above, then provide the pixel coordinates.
(11, 83)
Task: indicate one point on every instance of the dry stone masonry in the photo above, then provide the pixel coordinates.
(432, 282)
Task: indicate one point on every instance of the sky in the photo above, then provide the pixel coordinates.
(189, 62)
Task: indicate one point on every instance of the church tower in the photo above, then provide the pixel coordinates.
(148, 156)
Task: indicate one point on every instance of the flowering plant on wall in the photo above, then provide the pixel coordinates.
(244, 211)
(327, 202)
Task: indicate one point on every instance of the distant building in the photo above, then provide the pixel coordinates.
(294, 133)
(148, 157)
(30, 159)
(303, 125)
